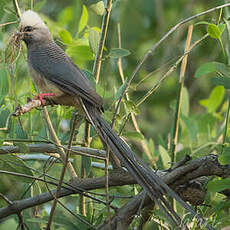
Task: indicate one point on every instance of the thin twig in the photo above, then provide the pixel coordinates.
(8, 23)
(119, 63)
(62, 173)
(180, 95)
(150, 51)
(172, 69)
(71, 170)
(104, 28)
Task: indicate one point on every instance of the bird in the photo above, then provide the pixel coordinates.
(61, 81)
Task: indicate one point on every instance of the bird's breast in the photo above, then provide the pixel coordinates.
(43, 85)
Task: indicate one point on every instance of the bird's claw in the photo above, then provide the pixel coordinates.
(41, 95)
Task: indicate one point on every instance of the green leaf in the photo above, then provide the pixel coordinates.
(65, 36)
(205, 69)
(120, 90)
(164, 156)
(94, 37)
(4, 83)
(218, 185)
(192, 127)
(214, 100)
(133, 135)
(185, 102)
(83, 19)
(214, 31)
(221, 68)
(131, 107)
(80, 53)
(98, 8)
(224, 158)
(221, 27)
(221, 80)
(118, 53)
(102, 92)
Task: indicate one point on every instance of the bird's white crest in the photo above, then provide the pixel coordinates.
(30, 18)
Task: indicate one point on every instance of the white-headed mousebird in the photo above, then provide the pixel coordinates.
(59, 79)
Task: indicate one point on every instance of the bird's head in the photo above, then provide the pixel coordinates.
(32, 29)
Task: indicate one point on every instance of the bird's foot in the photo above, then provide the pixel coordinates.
(41, 96)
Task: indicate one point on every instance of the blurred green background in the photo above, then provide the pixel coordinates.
(75, 26)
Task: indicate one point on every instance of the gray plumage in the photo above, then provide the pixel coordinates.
(54, 72)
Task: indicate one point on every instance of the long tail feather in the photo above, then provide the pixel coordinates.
(150, 181)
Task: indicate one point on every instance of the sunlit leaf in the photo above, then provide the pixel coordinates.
(214, 100)
(83, 19)
(214, 31)
(80, 53)
(65, 36)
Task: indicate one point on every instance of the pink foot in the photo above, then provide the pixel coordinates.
(41, 95)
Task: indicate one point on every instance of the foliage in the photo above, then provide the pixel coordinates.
(76, 26)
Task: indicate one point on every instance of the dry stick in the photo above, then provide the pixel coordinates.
(8, 23)
(180, 95)
(16, 6)
(98, 60)
(179, 102)
(58, 144)
(62, 173)
(149, 52)
(104, 28)
(96, 72)
(119, 63)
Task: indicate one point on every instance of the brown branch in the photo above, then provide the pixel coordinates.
(62, 173)
(51, 148)
(58, 143)
(205, 166)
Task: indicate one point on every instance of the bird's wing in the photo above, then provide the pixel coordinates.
(51, 62)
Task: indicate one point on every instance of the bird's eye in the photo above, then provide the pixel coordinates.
(28, 29)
